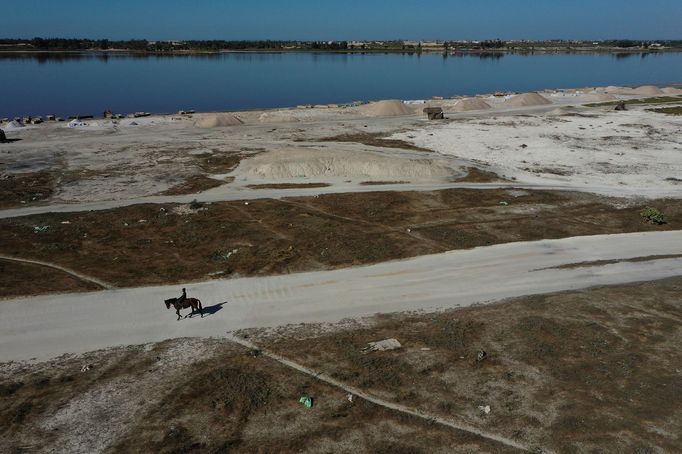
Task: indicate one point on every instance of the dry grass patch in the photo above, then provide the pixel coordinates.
(194, 185)
(18, 279)
(224, 400)
(668, 110)
(288, 185)
(25, 189)
(374, 140)
(654, 100)
(476, 175)
(574, 372)
(382, 183)
(157, 244)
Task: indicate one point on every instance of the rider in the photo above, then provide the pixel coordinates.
(183, 297)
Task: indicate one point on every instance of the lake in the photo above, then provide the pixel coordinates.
(89, 83)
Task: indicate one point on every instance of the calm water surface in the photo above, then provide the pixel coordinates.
(90, 83)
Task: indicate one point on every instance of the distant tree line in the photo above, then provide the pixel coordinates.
(493, 44)
(75, 44)
(56, 44)
(141, 45)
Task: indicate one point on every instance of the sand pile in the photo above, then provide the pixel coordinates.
(217, 121)
(672, 91)
(620, 91)
(309, 163)
(468, 104)
(277, 117)
(13, 125)
(599, 97)
(390, 108)
(647, 90)
(527, 99)
(561, 111)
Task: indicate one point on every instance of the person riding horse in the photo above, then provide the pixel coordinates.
(183, 303)
(183, 297)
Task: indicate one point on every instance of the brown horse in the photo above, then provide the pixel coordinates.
(194, 303)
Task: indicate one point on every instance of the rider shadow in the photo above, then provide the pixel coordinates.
(211, 310)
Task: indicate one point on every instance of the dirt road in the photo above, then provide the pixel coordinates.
(47, 326)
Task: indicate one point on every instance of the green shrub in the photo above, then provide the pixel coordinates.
(653, 216)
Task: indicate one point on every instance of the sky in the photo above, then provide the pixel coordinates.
(344, 19)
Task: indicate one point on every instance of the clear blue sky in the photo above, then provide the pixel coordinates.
(347, 19)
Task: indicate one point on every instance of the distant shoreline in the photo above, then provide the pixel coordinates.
(453, 53)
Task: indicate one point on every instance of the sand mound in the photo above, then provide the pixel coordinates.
(672, 91)
(390, 108)
(647, 90)
(561, 111)
(310, 163)
(13, 125)
(467, 104)
(527, 99)
(598, 97)
(217, 121)
(621, 91)
(277, 117)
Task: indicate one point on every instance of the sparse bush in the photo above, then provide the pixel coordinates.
(7, 389)
(653, 216)
(238, 390)
(196, 205)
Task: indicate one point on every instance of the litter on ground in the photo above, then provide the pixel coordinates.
(307, 401)
(382, 346)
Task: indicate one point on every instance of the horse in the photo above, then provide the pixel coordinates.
(194, 303)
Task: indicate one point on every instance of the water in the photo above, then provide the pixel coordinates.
(70, 84)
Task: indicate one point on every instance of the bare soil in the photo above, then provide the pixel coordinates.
(158, 244)
(596, 370)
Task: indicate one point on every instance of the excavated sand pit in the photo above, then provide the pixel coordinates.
(294, 163)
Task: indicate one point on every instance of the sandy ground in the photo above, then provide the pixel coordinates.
(636, 149)
(47, 326)
(535, 141)
(593, 149)
(154, 398)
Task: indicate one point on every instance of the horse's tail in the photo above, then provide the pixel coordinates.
(201, 308)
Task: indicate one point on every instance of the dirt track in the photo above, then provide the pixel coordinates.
(44, 327)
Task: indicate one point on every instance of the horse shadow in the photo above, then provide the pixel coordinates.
(10, 140)
(212, 310)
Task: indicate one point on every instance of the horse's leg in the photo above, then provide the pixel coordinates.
(201, 308)
(177, 311)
